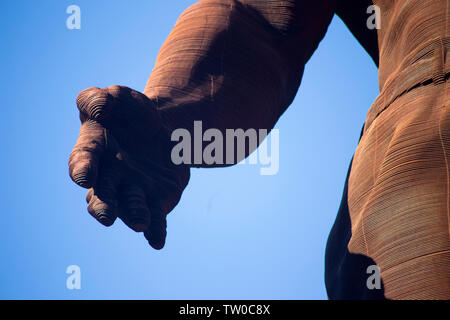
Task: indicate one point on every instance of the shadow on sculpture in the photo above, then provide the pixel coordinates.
(345, 272)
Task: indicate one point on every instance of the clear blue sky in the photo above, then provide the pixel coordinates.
(234, 235)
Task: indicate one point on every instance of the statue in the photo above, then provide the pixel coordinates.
(238, 64)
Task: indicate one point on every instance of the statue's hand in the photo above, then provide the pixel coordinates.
(123, 157)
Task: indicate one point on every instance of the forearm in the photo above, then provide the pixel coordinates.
(234, 64)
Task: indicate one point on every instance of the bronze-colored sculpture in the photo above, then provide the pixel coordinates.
(238, 64)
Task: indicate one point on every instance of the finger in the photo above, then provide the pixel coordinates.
(86, 155)
(95, 104)
(157, 232)
(89, 195)
(102, 199)
(133, 207)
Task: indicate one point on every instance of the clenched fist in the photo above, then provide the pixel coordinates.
(122, 156)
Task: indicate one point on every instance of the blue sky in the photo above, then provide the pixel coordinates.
(234, 235)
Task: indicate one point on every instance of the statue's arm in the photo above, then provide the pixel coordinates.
(235, 64)
(227, 63)
(355, 15)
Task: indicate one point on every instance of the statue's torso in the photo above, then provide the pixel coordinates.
(398, 188)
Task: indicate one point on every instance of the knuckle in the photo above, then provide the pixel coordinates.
(117, 90)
